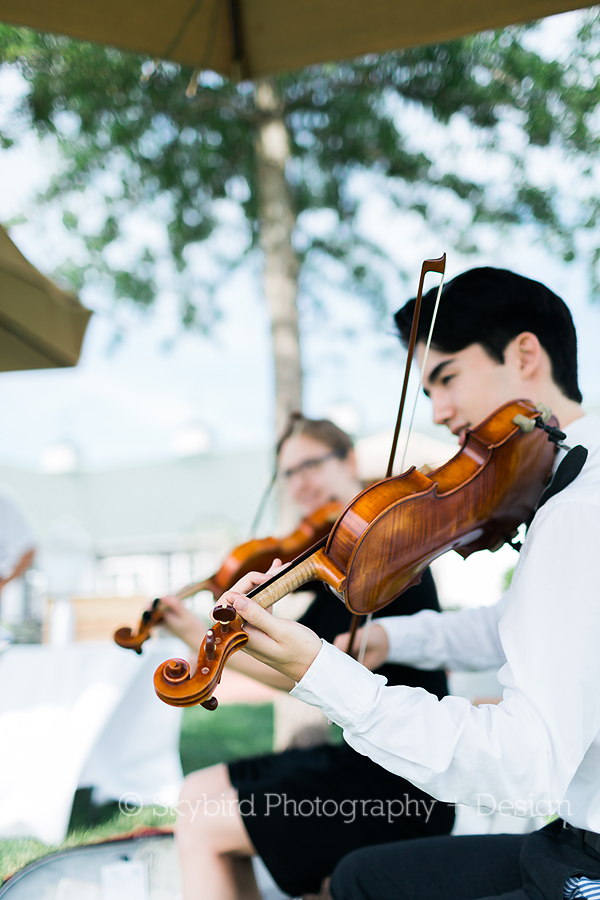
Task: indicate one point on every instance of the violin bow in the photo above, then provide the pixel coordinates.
(429, 265)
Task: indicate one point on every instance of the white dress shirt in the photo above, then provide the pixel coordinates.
(538, 751)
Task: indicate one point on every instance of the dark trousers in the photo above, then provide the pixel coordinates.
(474, 867)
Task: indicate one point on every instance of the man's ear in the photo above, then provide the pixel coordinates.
(526, 352)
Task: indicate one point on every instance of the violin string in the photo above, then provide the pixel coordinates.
(422, 367)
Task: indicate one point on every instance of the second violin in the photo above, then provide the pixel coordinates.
(254, 555)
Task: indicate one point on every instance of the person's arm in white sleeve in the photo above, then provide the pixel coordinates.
(526, 750)
(463, 640)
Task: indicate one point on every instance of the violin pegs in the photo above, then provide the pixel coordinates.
(210, 704)
(176, 671)
(209, 645)
(224, 615)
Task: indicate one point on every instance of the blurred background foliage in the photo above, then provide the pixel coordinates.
(152, 139)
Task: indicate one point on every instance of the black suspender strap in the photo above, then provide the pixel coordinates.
(568, 470)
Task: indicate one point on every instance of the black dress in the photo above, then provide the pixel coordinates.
(304, 809)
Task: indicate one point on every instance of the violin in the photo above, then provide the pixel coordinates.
(254, 555)
(387, 536)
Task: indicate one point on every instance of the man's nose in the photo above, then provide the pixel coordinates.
(442, 410)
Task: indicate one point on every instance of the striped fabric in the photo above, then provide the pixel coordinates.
(577, 886)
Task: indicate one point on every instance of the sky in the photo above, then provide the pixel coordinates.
(161, 393)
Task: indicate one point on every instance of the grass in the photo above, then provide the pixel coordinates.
(231, 732)
(207, 738)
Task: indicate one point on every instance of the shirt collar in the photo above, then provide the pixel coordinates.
(585, 431)
(585, 428)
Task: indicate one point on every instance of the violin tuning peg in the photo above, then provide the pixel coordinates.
(176, 671)
(209, 644)
(224, 615)
(210, 704)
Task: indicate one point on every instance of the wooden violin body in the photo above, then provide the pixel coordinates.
(393, 530)
(388, 535)
(253, 556)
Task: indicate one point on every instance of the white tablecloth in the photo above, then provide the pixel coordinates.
(78, 716)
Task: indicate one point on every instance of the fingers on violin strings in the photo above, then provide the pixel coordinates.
(247, 583)
(255, 615)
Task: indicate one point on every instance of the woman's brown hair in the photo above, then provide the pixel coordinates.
(321, 430)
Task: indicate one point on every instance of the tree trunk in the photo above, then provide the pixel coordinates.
(277, 222)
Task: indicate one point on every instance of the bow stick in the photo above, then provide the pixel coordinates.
(429, 265)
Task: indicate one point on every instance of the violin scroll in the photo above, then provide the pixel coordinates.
(125, 637)
(173, 681)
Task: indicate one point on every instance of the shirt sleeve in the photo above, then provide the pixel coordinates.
(465, 640)
(524, 752)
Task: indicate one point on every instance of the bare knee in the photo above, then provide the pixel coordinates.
(205, 783)
(200, 797)
(209, 819)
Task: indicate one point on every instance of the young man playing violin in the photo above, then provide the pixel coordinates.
(301, 810)
(498, 337)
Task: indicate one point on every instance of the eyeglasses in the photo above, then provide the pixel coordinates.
(310, 465)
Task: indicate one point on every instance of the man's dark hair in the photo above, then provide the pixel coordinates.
(491, 307)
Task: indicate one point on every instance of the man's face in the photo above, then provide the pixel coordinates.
(467, 386)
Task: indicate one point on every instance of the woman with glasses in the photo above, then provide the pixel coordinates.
(304, 809)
